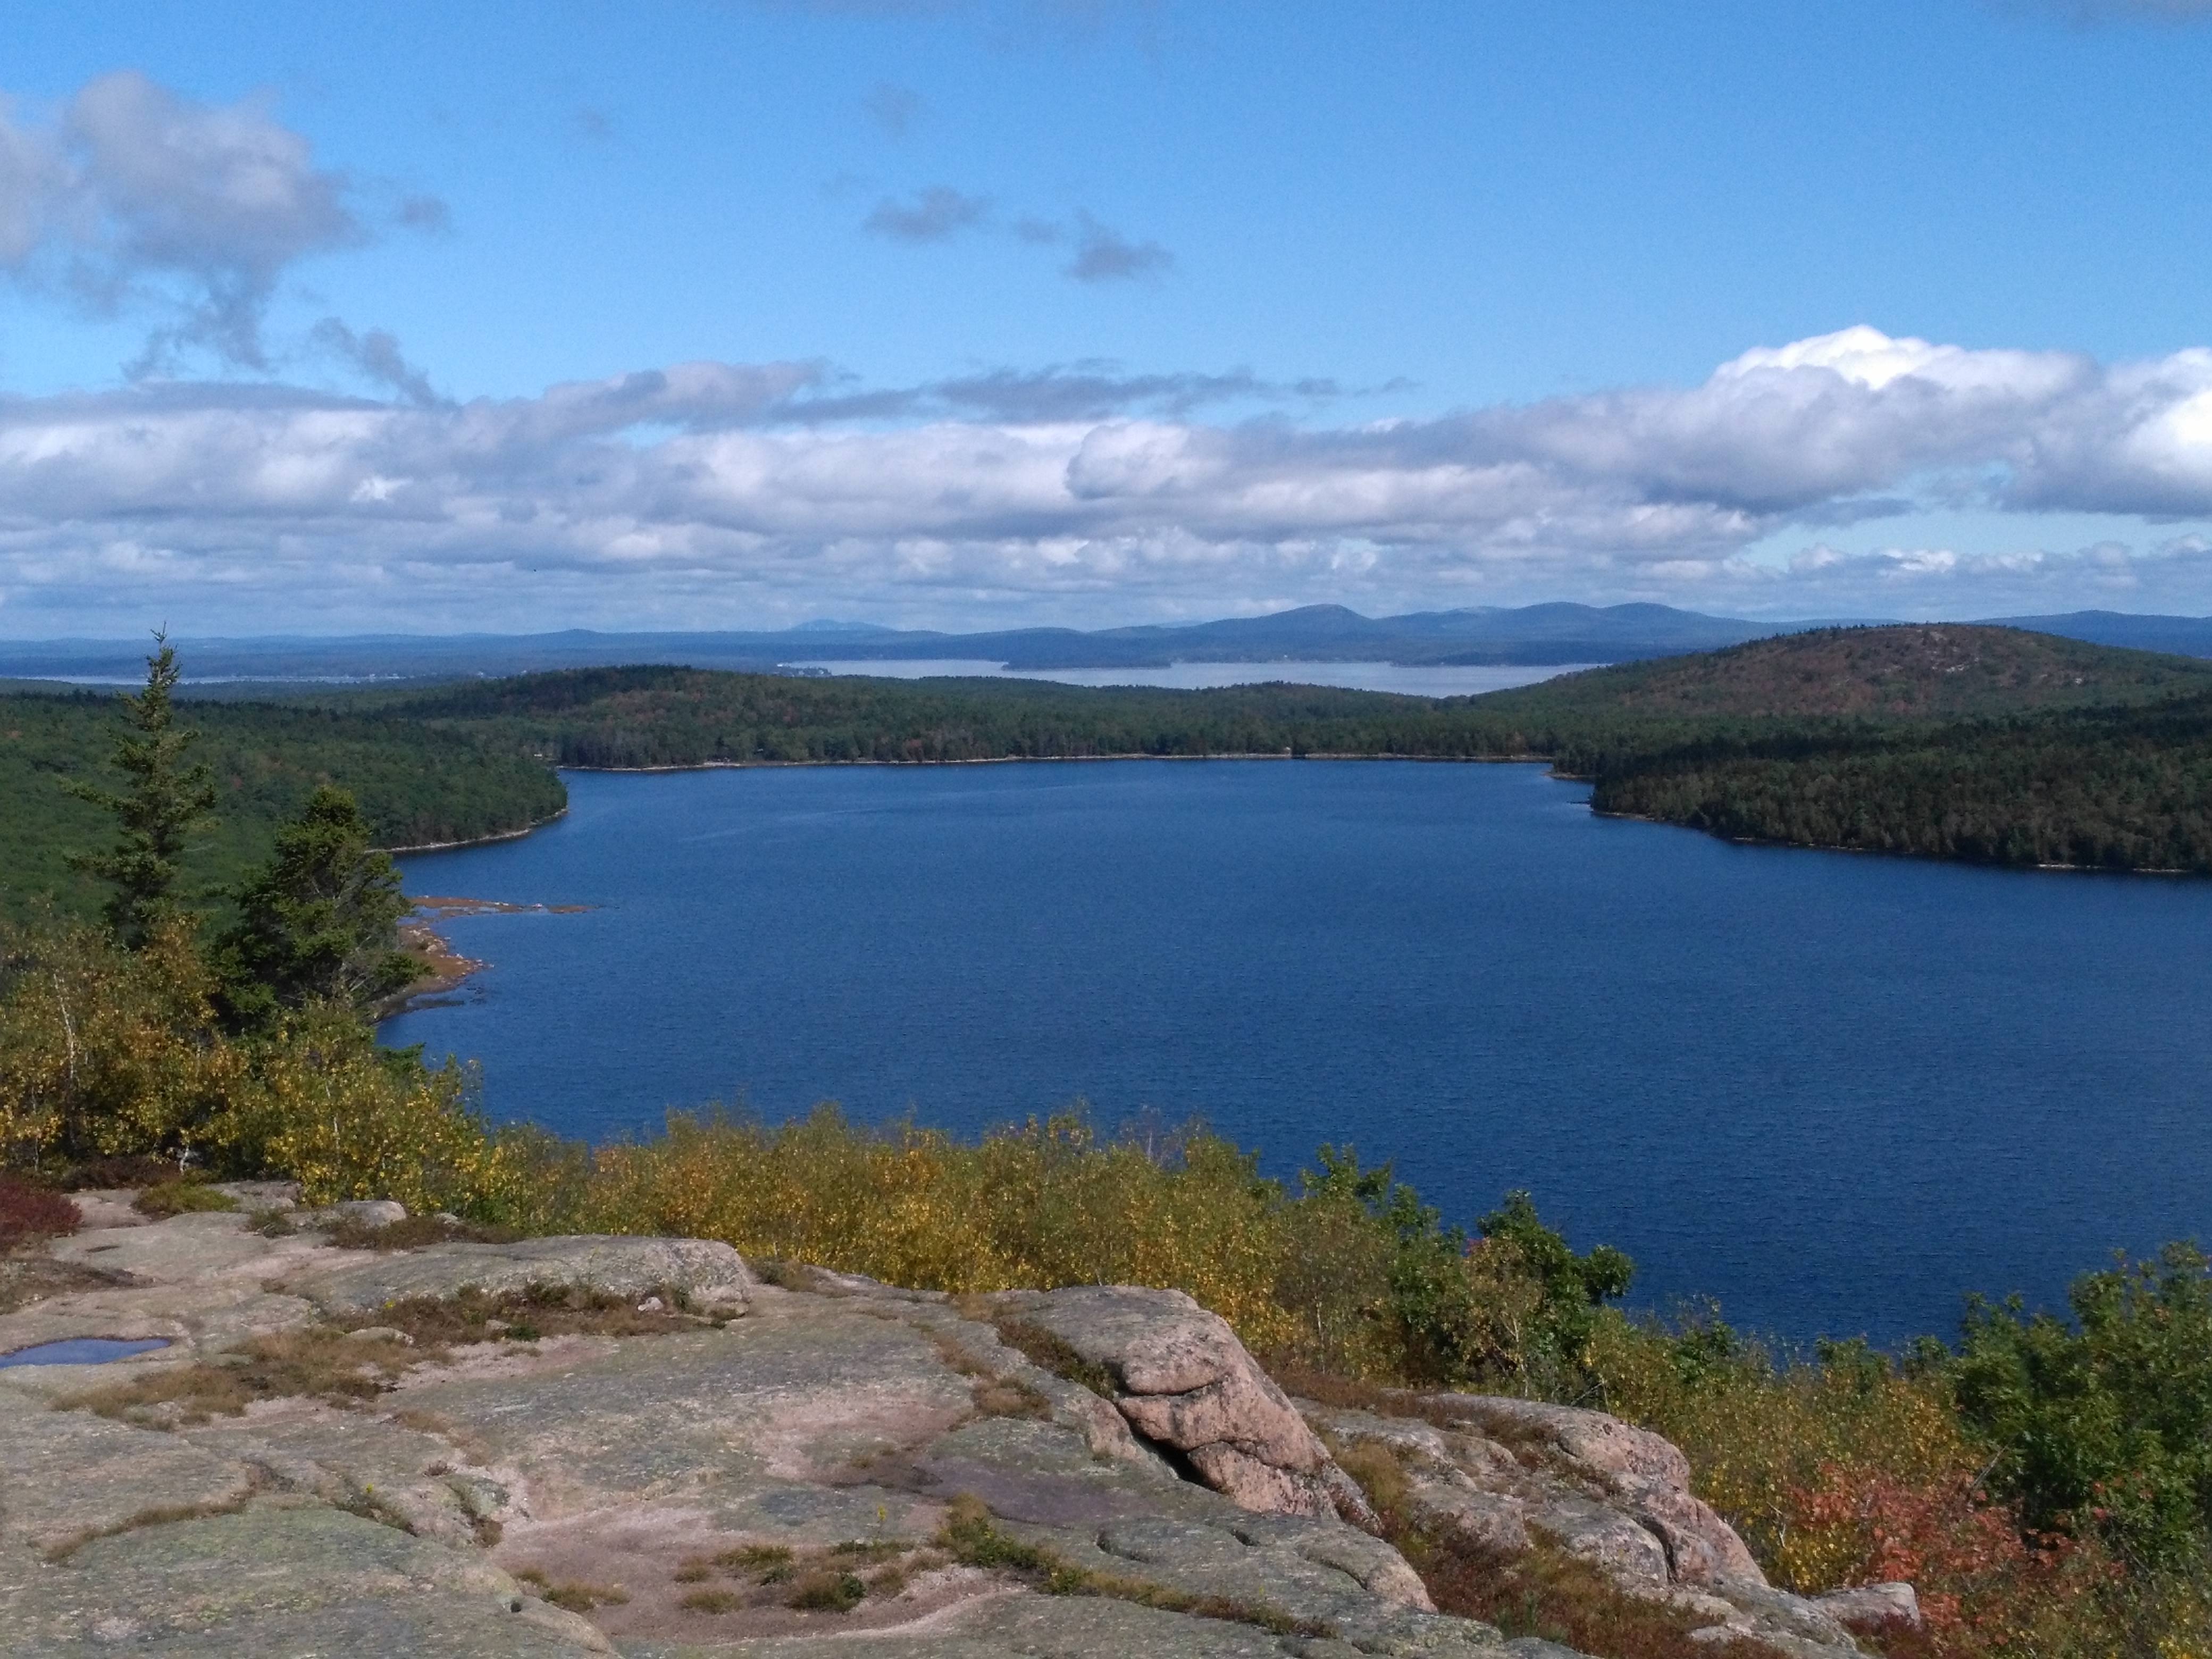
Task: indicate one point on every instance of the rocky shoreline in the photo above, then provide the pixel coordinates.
(442, 968)
(637, 1446)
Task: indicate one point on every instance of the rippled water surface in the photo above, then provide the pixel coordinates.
(1832, 1092)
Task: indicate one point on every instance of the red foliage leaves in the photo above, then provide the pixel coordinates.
(28, 1212)
(1982, 1584)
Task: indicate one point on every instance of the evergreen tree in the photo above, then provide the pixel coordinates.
(161, 802)
(318, 922)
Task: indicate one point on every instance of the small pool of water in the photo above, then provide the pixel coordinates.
(82, 1350)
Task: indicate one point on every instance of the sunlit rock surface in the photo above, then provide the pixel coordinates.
(770, 1471)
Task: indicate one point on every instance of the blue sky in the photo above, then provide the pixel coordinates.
(963, 315)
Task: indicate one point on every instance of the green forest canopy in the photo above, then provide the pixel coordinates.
(417, 785)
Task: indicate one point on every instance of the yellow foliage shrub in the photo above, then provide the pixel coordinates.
(328, 1108)
(104, 1051)
(1044, 1205)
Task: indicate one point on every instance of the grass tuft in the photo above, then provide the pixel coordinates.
(181, 1196)
(351, 1233)
(318, 1364)
(971, 1538)
(1049, 1352)
(582, 1598)
(827, 1592)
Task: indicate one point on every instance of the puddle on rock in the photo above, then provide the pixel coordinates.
(82, 1350)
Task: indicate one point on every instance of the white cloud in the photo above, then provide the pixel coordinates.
(721, 493)
(134, 199)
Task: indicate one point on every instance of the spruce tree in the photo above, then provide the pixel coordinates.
(318, 922)
(161, 802)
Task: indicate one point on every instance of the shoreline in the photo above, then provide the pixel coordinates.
(1043, 760)
(1889, 853)
(445, 968)
(476, 841)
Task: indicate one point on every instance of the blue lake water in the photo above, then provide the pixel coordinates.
(1831, 1091)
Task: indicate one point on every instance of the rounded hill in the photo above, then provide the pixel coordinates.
(1939, 670)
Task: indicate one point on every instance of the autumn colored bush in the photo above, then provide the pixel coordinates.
(1050, 1202)
(105, 1051)
(1985, 1585)
(28, 1212)
(116, 1061)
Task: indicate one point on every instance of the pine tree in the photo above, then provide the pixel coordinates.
(161, 802)
(317, 923)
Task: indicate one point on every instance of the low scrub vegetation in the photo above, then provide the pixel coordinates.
(29, 1213)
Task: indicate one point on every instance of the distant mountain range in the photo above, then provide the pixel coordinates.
(1533, 635)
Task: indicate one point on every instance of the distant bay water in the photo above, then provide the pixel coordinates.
(1417, 680)
(1831, 1091)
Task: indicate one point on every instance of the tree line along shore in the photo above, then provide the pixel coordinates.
(2044, 1478)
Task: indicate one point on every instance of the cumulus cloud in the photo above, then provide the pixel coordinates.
(133, 197)
(937, 215)
(713, 488)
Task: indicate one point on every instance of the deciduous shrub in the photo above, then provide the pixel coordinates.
(2105, 1421)
(1381, 1286)
(108, 1054)
(1048, 1203)
(27, 1211)
(105, 1051)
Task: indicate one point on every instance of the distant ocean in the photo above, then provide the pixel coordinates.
(1832, 1092)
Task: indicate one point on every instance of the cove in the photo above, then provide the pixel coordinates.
(1831, 1091)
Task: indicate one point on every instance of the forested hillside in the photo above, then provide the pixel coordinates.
(1921, 672)
(415, 783)
(2114, 788)
(658, 716)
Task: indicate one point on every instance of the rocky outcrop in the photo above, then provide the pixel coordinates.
(1644, 1476)
(778, 1484)
(1508, 1474)
(1872, 1607)
(707, 1274)
(1184, 1382)
(685, 1461)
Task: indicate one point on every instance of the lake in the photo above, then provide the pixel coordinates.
(1832, 1092)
